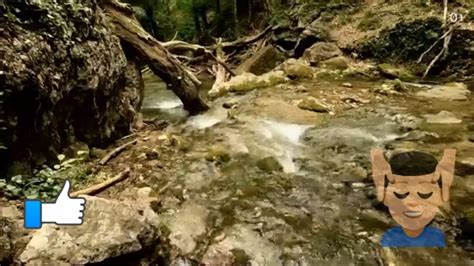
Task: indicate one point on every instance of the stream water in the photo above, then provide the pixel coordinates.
(317, 204)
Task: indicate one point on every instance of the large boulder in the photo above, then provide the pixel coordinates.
(321, 51)
(110, 229)
(297, 69)
(64, 78)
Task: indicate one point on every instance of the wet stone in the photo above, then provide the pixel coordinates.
(313, 104)
(339, 63)
(347, 84)
(443, 117)
(269, 164)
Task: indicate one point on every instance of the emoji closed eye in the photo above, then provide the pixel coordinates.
(424, 195)
(401, 196)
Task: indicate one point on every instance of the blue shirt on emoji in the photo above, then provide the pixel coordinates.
(430, 237)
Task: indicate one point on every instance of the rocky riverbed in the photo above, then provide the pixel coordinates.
(272, 176)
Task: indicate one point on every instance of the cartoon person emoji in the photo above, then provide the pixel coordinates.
(413, 185)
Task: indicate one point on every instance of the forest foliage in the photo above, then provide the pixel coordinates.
(203, 20)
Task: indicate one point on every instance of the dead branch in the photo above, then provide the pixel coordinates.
(116, 151)
(177, 46)
(103, 185)
(432, 46)
(245, 41)
(443, 51)
(219, 68)
(447, 38)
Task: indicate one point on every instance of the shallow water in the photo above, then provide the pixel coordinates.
(321, 208)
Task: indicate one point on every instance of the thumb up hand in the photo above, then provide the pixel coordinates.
(64, 211)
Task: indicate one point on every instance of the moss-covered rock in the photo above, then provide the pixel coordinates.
(321, 51)
(269, 164)
(339, 62)
(391, 71)
(297, 69)
(64, 78)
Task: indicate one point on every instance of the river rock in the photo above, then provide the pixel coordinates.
(269, 164)
(338, 62)
(242, 245)
(6, 245)
(186, 225)
(443, 117)
(110, 229)
(313, 104)
(391, 71)
(218, 153)
(297, 69)
(321, 51)
(452, 91)
(347, 84)
(465, 166)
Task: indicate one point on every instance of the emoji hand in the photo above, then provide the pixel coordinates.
(64, 211)
(380, 170)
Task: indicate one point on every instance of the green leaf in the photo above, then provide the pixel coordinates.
(61, 157)
(18, 179)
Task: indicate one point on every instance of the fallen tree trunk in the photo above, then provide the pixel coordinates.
(180, 80)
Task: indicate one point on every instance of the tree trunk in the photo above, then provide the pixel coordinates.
(160, 61)
(235, 18)
(218, 7)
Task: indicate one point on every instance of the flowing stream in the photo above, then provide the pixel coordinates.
(320, 206)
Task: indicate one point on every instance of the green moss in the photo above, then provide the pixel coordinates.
(370, 21)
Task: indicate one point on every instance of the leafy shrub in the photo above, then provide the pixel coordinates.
(45, 183)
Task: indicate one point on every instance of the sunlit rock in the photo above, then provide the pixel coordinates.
(297, 69)
(110, 229)
(313, 104)
(443, 117)
(339, 62)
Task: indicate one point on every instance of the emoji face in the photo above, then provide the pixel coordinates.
(413, 201)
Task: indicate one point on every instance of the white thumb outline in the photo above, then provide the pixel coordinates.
(64, 210)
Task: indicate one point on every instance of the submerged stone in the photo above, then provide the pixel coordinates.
(269, 164)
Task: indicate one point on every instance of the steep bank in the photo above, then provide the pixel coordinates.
(396, 32)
